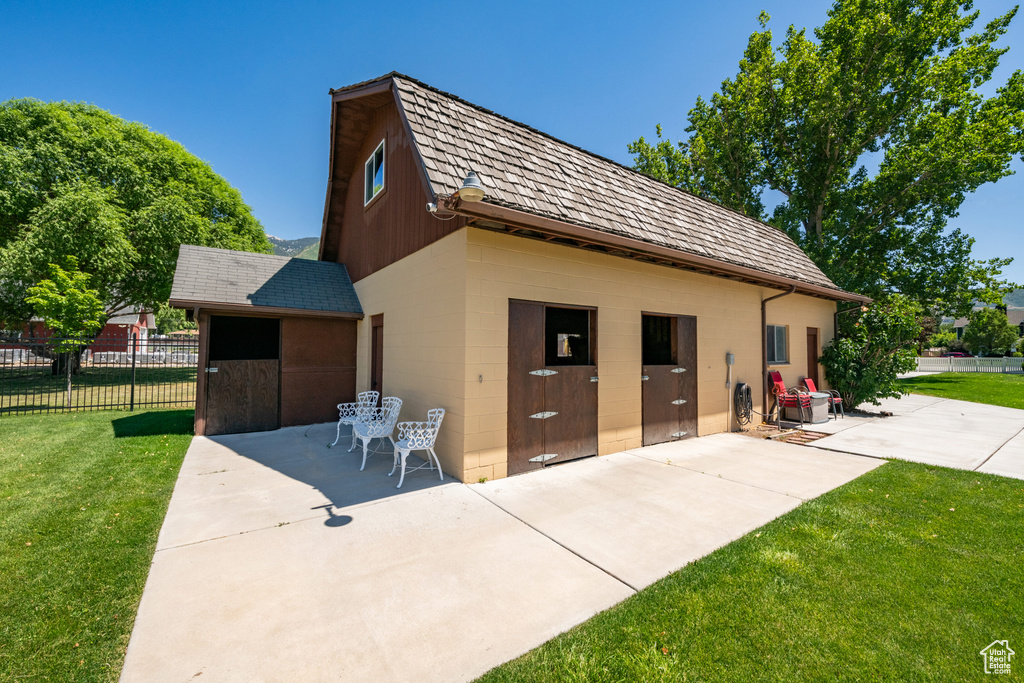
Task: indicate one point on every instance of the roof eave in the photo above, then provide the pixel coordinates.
(262, 310)
(543, 224)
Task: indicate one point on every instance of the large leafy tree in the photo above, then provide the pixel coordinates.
(989, 331)
(78, 181)
(872, 132)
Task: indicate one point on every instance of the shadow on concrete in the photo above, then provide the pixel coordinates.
(301, 453)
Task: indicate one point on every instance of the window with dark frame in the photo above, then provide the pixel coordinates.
(374, 174)
(775, 338)
(567, 336)
(659, 340)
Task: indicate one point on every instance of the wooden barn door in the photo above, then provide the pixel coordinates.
(669, 378)
(552, 385)
(242, 375)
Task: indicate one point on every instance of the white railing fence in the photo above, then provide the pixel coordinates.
(970, 364)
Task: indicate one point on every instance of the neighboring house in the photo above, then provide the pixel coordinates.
(1014, 315)
(115, 336)
(581, 308)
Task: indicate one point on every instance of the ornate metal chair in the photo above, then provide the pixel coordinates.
(788, 398)
(350, 413)
(419, 436)
(835, 400)
(379, 423)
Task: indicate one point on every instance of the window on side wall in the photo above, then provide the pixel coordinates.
(374, 174)
(778, 348)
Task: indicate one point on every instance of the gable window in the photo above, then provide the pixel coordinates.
(374, 174)
(778, 349)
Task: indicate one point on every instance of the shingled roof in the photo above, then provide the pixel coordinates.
(219, 278)
(527, 170)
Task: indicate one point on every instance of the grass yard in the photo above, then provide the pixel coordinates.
(981, 387)
(905, 573)
(82, 498)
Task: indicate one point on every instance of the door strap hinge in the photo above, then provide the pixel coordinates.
(678, 435)
(677, 370)
(679, 401)
(593, 379)
(544, 457)
(544, 372)
(644, 378)
(211, 369)
(543, 416)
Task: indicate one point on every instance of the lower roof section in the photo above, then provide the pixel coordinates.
(243, 282)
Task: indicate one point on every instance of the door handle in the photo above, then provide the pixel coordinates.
(211, 369)
(644, 378)
(593, 379)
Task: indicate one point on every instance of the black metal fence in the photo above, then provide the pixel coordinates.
(67, 374)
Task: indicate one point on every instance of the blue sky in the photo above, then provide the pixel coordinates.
(244, 85)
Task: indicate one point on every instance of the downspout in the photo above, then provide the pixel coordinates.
(764, 347)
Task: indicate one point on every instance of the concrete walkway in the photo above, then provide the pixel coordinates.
(936, 431)
(279, 561)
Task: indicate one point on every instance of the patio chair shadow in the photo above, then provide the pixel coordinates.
(301, 453)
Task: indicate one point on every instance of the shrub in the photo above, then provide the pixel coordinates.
(873, 349)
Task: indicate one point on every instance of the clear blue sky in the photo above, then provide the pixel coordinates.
(244, 85)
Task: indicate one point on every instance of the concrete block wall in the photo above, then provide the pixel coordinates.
(423, 299)
(446, 336)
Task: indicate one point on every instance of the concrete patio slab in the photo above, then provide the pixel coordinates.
(936, 431)
(640, 518)
(764, 464)
(280, 561)
(239, 483)
(1008, 460)
(430, 586)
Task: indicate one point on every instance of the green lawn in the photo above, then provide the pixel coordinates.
(906, 573)
(82, 497)
(993, 388)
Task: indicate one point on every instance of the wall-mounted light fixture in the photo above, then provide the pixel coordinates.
(471, 190)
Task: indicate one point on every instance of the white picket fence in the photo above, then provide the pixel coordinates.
(970, 364)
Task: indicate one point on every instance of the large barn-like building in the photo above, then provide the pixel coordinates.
(579, 308)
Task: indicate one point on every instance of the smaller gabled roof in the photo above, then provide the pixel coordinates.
(236, 280)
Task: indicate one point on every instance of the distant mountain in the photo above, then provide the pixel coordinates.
(1015, 299)
(304, 247)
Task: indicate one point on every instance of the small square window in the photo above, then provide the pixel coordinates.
(777, 348)
(374, 174)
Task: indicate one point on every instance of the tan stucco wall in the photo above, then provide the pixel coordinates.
(503, 267)
(446, 335)
(423, 301)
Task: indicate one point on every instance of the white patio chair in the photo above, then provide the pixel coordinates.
(418, 436)
(379, 423)
(350, 413)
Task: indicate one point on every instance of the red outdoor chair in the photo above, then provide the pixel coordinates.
(788, 398)
(834, 399)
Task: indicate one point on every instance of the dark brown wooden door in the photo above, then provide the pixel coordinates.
(552, 408)
(377, 354)
(669, 389)
(812, 354)
(241, 396)
(525, 390)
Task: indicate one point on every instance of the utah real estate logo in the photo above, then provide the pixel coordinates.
(997, 657)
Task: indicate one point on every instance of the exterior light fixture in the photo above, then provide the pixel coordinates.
(471, 190)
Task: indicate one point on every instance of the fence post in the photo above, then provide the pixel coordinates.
(131, 405)
(67, 361)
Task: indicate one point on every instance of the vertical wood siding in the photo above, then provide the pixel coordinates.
(395, 223)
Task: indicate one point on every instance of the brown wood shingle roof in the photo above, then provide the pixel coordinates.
(527, 170)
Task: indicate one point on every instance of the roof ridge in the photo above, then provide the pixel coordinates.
(485, 110)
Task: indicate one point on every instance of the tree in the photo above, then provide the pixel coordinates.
(945, 336)
(989, 331)
(872, 133)
(874, 348)
(77, 180)
(71, 310)
(172, 320)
